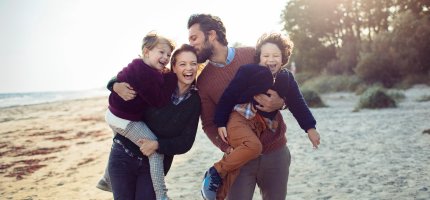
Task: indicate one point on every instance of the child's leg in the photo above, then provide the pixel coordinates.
(242, 136)
(139, 130)
(243, 139)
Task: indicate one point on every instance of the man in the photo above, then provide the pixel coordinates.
(270, 170)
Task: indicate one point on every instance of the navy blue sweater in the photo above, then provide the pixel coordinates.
(253, 79)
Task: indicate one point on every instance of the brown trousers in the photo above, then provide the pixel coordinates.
(243, 135)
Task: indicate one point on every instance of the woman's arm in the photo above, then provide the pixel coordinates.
(123, 89)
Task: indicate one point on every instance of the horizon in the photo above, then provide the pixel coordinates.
(53, 46)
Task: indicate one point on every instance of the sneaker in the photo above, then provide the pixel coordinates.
(211, 182)
(103, 185)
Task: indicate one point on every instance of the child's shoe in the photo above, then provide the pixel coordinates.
(211, 182)
(103, 185)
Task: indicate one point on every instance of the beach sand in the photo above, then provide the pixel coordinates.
(60, 150)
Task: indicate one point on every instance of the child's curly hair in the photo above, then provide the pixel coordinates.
(283, 42)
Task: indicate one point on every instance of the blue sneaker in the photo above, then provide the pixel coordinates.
(211, 182)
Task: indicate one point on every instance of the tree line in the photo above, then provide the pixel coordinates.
(384, 41)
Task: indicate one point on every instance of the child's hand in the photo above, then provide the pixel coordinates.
(314, 137)
(222, 132)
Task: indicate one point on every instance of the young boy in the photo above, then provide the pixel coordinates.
(242, 127)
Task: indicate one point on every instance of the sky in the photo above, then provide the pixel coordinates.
(65, 45)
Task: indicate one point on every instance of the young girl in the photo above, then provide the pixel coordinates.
(154, 87)
(242, 127)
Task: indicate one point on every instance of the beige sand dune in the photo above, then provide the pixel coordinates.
(59, 150)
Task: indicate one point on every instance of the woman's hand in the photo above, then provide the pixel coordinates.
(314, 137)
(148, 147)
(269, 103)
(124, 90)
(222, 132)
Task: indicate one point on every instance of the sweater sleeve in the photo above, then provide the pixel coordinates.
(112, 81)
(207, 116)
(148, 83)
(297, 105)
(229, 98)
(183, 142)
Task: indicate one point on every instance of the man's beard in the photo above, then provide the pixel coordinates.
(205, 53)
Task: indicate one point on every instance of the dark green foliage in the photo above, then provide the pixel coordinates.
(312, 98)
(378, 66)
(381, 41)
(325, 84)
(376, 97)
(395, 56)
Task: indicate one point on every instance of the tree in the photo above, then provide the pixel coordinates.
(329, 35)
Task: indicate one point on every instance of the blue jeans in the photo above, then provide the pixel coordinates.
(129, 174)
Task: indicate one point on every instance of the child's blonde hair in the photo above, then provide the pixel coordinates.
(152, 39)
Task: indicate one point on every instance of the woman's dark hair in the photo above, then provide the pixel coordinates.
(183, 48)
(282, 42)
(207, 23)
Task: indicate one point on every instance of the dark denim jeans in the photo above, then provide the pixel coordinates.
(129, 174)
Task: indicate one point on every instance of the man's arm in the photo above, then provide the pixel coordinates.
(123, 89)
(209, 127)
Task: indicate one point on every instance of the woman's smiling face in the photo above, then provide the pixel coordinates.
(185, 67)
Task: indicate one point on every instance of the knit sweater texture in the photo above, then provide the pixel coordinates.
(211, 84)
(153, 89)
(174, 125)
(253, 79)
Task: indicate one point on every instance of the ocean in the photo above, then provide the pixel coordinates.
(29, 98)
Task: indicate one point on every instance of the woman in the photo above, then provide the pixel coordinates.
(175, 126)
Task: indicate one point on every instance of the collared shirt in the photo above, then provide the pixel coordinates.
(248, 111)
(230, 56)
(177, 99)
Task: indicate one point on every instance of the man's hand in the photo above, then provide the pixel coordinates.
(269, 103)
(222, 132)
(314, 137)
(148, 147)
(124, 90)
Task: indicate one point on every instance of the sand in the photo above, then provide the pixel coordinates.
(59, 151)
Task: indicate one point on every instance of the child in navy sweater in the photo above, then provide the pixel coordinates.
(239, 121)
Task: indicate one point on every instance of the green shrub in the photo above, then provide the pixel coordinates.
(313, 99)
(378, 67)
(376, 97)
(361, 88)
(326, 83)
(396, 94)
